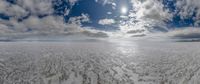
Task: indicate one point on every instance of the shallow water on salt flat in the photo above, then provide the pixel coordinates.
(100, 62)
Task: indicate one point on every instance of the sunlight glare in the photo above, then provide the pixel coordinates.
(124, 10)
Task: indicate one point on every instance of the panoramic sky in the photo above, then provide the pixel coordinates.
(96, 18)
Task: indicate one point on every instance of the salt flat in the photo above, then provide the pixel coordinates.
(100, 62)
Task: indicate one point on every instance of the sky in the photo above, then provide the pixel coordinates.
(97, 18)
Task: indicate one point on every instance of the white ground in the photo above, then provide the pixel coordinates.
(100, 62)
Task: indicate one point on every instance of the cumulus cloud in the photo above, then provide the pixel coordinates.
(95, 34)
(72, 2)
(155, 12)
(4, 29)
(12, 9)
(107, 1)
(139, 35)
(36, 7)
(145, 15)
(151, 10)
(186, 33)
(106, 21)
(187, 8)
(110, 2)
(136, 31)
(33, 25)
(152, 14)
(32, 7)
(79, 19)
(47, 26)
(109, 13)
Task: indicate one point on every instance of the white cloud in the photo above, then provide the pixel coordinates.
(66, 12)
(186, 8)
(95, 33)
(36, 7)
(110, 2)
(12, 10)
(109, 13)
(106, 21)
(145, 15)
(32, 7)
(186, 33)
(50, 25)
(34, 24)
(72, 1)
(151, 10)
(113, 5)
(79, 19)
(4, 29)
(45, 26)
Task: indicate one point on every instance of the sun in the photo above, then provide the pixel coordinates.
(124, 10)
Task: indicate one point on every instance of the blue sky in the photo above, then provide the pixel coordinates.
(61, 17)
(98, 10)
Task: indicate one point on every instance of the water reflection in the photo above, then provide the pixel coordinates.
(126, 48)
